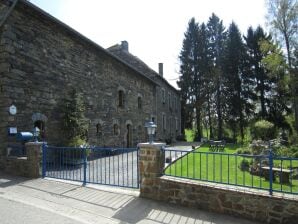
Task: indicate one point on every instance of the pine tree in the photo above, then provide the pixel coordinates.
(216, 38)
(189, 79)
(262, 81)
(236, 81)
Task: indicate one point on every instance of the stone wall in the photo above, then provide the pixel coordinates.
(42, 59)
(235, 201)
(28, 166)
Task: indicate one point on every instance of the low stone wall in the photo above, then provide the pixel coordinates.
(236, 201)
(24, 166)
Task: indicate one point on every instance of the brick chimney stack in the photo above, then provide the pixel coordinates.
(124, 45)
(160, 69)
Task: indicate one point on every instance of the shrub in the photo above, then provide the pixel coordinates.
(264, 130)
(243, 151)
(244, 165)
(257, 147)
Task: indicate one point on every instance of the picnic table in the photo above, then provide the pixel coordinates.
(217, 146)
(284, 174)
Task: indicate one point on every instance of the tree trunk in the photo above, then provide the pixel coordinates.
(262, 99)
(210, 119)
(198, 120)
(219, 113)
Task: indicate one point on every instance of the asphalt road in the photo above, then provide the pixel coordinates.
(12, 212)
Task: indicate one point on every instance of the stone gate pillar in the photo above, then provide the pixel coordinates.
(151, 165)
(34, 152)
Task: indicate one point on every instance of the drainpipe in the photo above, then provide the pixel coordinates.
(8, 13)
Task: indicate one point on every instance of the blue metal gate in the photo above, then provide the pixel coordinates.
(108, 166)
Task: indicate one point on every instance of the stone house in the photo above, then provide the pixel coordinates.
(42, 59)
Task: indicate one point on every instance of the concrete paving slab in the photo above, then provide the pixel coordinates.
(106, 205)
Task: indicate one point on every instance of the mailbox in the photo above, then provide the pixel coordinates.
(24, 136)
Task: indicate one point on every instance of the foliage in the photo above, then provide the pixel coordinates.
(228, 80)
(263, 130)
(189, 134)
(282, 17)
(244, 165)
(257, 147)
(245, 150)
(75, 124)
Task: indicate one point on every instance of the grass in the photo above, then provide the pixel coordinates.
(225, 168)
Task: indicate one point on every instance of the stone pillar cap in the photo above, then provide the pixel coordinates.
(151, 145)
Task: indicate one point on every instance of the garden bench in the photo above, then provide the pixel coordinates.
(217, 146)
(284, 174)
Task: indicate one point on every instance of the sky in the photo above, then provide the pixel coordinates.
(154, 29)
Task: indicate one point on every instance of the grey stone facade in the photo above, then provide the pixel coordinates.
(41, 59)
(167, 108)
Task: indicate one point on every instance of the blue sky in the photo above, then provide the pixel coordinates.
(153, 28)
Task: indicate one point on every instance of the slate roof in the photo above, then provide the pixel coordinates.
(138, 64)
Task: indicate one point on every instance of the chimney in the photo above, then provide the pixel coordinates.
(124, 45)
(160, 69)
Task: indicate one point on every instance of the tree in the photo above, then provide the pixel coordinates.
(279, 94)
(237, 83)
(187, 72)
(75, 124)
(261, 81)
(190, 80)
(216, 38)
(282, 17)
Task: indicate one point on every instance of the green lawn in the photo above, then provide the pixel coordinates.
(224, 167)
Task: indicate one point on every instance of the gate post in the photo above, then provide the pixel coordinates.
(85, 165)
(44, 160)
(34, 158)
(151, 163)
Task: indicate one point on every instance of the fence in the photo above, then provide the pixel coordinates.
(108, 166)
(266, 172)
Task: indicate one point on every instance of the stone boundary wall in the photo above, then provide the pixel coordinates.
(24, 166)
(236, 201)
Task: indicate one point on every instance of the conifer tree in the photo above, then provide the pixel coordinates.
(216, 38)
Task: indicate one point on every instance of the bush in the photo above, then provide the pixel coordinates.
(257, 147)
(243, 151)
(244, 165)
(264, 130)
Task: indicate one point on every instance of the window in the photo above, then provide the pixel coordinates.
(163, 96)
(176, 123)
(164, 123)
(115, 129)
(169, 96)
(121, 98)
(139, 102)
(98, 130)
